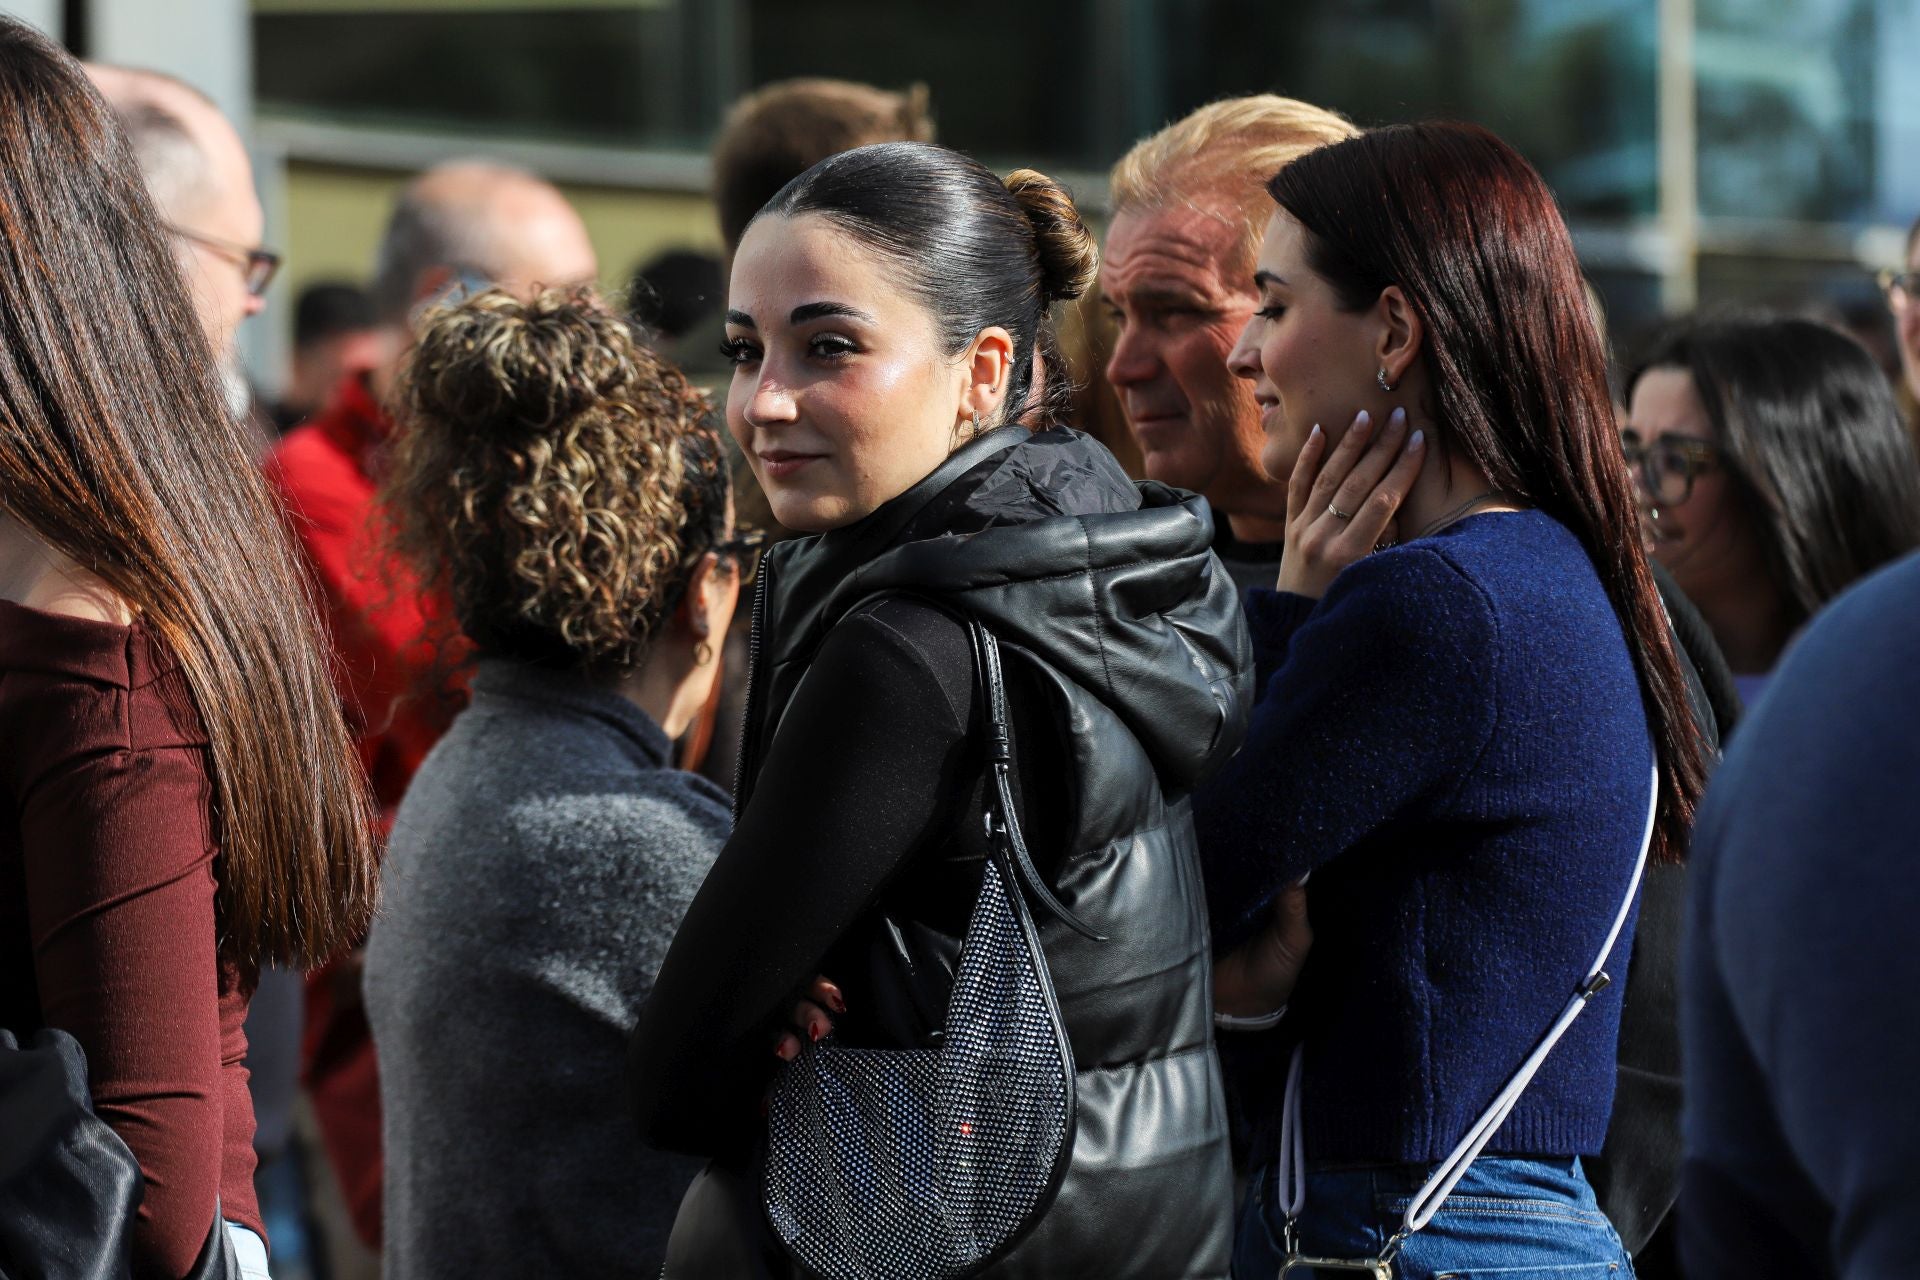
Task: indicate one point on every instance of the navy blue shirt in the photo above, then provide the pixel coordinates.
(1453, 741)
(1801, 973)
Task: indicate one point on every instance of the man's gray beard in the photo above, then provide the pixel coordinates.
(235, 388)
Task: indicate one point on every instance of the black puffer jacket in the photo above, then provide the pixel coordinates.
(1123, 634)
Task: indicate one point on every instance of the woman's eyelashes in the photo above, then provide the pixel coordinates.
(1272, 311)
(826, 348)
(831, 348)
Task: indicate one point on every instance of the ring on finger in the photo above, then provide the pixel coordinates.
(1337, 513)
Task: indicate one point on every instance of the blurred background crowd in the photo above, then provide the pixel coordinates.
(1706, 153)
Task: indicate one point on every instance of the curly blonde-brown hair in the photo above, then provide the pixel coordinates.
(550, 475)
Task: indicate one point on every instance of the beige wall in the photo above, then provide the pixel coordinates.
(334, 216)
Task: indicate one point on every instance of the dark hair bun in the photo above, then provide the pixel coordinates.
(1069, 256)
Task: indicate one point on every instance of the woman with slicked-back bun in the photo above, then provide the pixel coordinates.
(181, 801)
(1068, 255)
(897, 394)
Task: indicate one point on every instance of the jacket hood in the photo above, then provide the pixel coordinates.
(1047, 542)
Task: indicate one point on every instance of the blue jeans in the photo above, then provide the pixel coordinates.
(250, 1251)
(1508, 1219)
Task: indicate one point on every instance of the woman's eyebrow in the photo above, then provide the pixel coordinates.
(816, 310)
(740, 318)
(1261, 279)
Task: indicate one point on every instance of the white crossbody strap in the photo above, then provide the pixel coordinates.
(1427, 1201)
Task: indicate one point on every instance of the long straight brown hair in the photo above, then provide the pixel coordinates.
(1471, 234)
(117, 448)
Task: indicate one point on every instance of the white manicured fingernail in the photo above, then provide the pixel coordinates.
(1419, 439)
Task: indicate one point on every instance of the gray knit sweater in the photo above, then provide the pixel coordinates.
(538, 868)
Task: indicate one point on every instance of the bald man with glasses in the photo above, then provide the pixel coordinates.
(201, 180)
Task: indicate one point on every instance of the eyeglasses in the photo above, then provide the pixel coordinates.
(1668, 467)
(1901, 287)
(258, 264)
(744, 547)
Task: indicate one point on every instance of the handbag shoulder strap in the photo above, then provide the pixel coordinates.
(1002, 817)
(1446, 1176)
(1004, 833)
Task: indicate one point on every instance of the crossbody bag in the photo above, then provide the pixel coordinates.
(934, 1163)
(1446, 1176)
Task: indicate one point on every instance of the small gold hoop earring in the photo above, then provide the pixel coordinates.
(1381, 378)
(702, 654)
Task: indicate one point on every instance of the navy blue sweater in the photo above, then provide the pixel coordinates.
(1453, 741)
(1797, 1005)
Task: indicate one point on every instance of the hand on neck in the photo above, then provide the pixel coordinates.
(1446, 490)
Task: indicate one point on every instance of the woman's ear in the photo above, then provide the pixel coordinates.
(1402, 333)
(988, 369)
(706, 606)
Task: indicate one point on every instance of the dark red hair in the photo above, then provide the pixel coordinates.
(1471, 235)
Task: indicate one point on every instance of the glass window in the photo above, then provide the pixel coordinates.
(1809, 110)
(1036, 98)
(1571, 85)
(637, 73)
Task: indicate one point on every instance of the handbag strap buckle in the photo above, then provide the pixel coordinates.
(1378, 1268)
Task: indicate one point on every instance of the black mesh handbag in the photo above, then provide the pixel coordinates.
(926, 1164)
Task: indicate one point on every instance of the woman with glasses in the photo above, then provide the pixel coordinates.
(1773, 470)
(562, 486)
(1902, 290)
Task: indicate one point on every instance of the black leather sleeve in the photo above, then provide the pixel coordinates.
(864, 773)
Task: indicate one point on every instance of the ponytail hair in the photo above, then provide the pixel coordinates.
(977, 252)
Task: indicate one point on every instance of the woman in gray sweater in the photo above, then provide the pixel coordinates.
(560, 491)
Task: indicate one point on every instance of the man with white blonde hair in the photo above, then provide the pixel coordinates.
(1190, 207)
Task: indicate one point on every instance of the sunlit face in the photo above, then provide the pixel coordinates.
(842, 395)
(211, 238)
(1310, 362)
(1704, 540)
(1174, 281)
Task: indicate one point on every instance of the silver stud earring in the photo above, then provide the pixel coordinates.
(1381, 378)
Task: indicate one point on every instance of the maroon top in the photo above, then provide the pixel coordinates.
(106, 912)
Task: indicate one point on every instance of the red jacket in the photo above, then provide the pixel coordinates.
(324, 472)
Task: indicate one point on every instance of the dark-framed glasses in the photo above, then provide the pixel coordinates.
(1667, 468)
(1901, 287)
(743, 548)
(258, 264)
